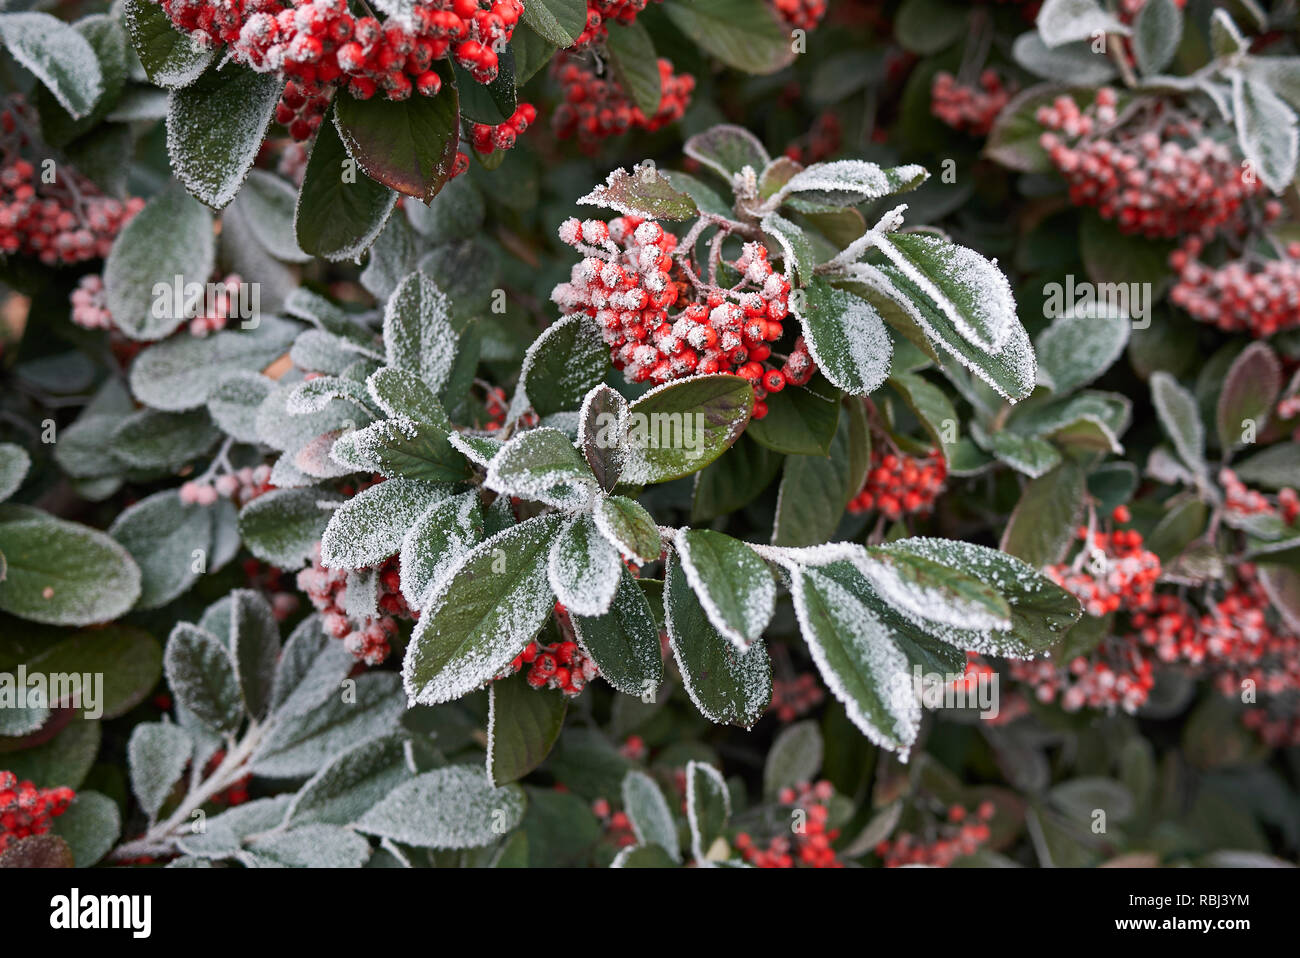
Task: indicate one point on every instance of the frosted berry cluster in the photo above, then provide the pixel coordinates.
(1114, 675)
(800, 14)
(1113, 571)
(67, 221)
(595, 107)
(1161, 179)
(900, 485)
(561, 665)
(969, 108)
(794, 697)
(90, 303)
(240, 486)
(27, 810)
(808, 847)
(1251, 295)
(367, 640)
(964, 833)
(1238, 500)
(220, 302)
(486, 138)
(601, 13)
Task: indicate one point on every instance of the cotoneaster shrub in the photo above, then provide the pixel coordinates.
(687, 432)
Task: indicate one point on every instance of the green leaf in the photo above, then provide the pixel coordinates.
(644, 192)
(584, 568)
(436, 541)
(400, 392)
(1065, 21)
(1111, 256)
(797, 250)
(254, 642)
(933, 408)
(170, 58)
(847, 338)
(1249, 391)
(150, 439)
(453, 807)
(311, 846)
(934, 591)
(62, 573)
(269, 203)
(743, 34)
(800, 420)
(157, 754)
(402, 448)
(14, 464)
(163, 535)
(727, 150)
(351, 784)
(559, 21)
(1266, 132)
(523, 726)
(727, 686)
(928, 26)
(602, 434)
(794, 759)
(825, 187)
(561, 366)
(283, 526)
(407, 145)
(1157, 31)
(734, 585)
(1043, 523)
(90, 826)
(487, 609)
(1080, 345)
(1014, 139)
(643, 856)
(57, 55)
(816, 489)
(369, 527)
(542, 465)
(129, 659)
(627, 524)
(63, 760)
(646, 807)
(1178, 528)
(1027, 454)
(1181, 419)
(632, 55)
(112, 48)
(624, 642)
(532, 51)
(215, 127)
(170, 237)
(734, 479)
(679, 428)
(418, 335)
(201, 674)
(1274, 467)
(708, 806)
(340, 210)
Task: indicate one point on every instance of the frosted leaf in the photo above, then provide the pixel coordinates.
(1080, 346)
(682, 426)
(394, 255)
(436, 541)
(584, 568)
(156, 755)
(796, 249)
(402, 447)
(1066, 21)
(644, 193)
(310, 669)
(969, 289)
(170, 58)
(14, 463)
(487, 608)
(361, 600)
(322, 352)
(858, 660)
(329, 318)
(313, 395)
(288, 433)
(542, 465)
(400, 392)
(418, 335)
(792, 557)
(850, 182)
(847, 339)
(283, 526)
(345, 789)
(727, 150)
(57, 55)
(452, 807)
(651, 819)
(233, 404)
(731, 582)
(162, 534)
(725, 685)
(708, 806)
(268, 201)
(794, 759)
(1266, 131)
(369, 527)
(1108, 413)
(561, 366)
(201, 674)
(224, 834)
(1026, 454)
(602, 434)
(624, 642)
(311, 846)
(297, 746)
(315, 458)
(934, 591)
(477, 449)
(626, 523)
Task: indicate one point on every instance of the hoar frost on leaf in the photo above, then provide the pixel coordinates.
(542, 465)
(418, 334)
(584, 568)
(734, 586)
(370, 526)
(436, 541)
(452, 807)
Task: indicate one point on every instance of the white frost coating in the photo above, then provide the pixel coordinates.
(440, 537)
(868, 638)
(795, 557)
(370, 526)
(849, 176)
(696, 769)
(1017, 353)
(864, 364)
(156, 758)
(364, 446)
(314, 395)
(616, 454)
(418, 335)
(994, 304)
(542, 465)
(452, 807)
(934, 605)
(757, 596)
(477, 449)
(647, 809)
(1081, 345)
(584, 568)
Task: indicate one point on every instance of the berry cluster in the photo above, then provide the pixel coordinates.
(27, 810)
(898, 484)
(810, 843)
(1114, 675)
(626, 283)
(800, 14)
(368, 640)
(962, 834)
(90, 303)
(1112, 571)
(600, 13)
(823, 140)
(240, 486)
(1160, 180)
(67, 221)
(969, 108)
(1255, 296)
(220, 302)
(485, 138)
(617, 826)
(595, 107)
(794, 697)
(561, 665)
